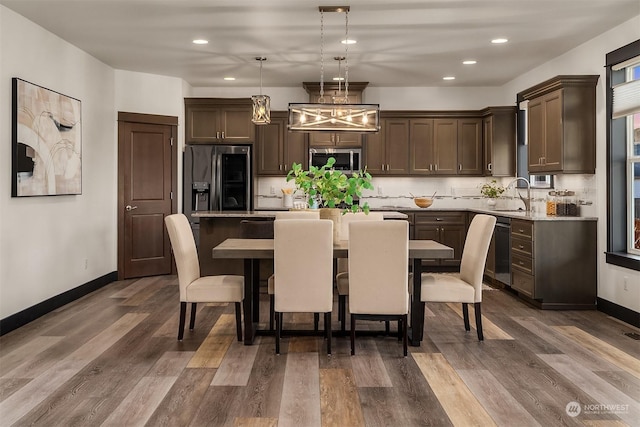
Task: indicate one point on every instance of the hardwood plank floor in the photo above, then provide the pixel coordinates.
(112, 358)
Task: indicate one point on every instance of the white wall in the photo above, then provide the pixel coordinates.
(589, 58)
(44, 241)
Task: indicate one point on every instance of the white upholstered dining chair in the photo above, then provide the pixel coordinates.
(378, 276)
(467, 287)
(193, 287)
(303, 266)
(296, 214)
(342, 278)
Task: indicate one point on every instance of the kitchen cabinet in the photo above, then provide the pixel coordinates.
(278, 149)
(561, 125)
(331, 95)
(553, 263)
(218, 121)
(499, 139)
(469, 146)
(446, 227)
(387, 152)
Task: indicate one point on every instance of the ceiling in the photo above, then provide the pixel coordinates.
(399, 43)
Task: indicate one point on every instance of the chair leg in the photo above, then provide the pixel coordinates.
(465, 316)
(400, 329)
(183, 315)
(272, 313)
(192, 322)
(342, 299)
(316, 321)
(278, 330)
(478, 313)
(404, 334)
(327, 330)
(387, 327)
(353, 334)
(239, 320)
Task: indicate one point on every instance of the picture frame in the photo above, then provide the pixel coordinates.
(46, 142)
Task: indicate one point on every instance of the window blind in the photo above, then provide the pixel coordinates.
(626, 99)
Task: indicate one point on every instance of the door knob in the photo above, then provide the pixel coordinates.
(130, 208)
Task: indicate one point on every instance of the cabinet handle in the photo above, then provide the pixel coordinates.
(222, 135)
(520, 246)
(435, 166)
(383, 166)
(285, 167)
(520, 230)
(460, 166)
(520, 262)
(337, 138)
(280, 167)
(430, 166)
(489, 166)
(218, 135)
(438, 219)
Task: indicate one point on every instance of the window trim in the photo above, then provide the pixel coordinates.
(616, 252)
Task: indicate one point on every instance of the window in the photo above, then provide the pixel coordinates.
(623, 156)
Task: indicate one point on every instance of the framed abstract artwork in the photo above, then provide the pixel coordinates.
(46, 142)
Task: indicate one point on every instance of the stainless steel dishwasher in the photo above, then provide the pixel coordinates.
(503, 250)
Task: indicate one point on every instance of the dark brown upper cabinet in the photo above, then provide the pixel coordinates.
(387, 152)
(277, 149)
(218, 121)
(561, 129)
(499, 137)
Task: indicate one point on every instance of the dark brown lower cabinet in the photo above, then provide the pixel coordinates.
(554, 262)
(446, 227)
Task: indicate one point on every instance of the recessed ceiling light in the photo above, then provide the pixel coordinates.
(470, 62)
(338, 79)
(348, 41)
(499, 41)
(448, 78)
(200, 41)
(230, 79)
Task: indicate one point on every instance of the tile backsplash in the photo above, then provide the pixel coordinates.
(451, 192)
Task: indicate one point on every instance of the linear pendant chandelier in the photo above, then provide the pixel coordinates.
(341, 115)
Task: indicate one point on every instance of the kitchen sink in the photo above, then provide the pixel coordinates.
(509, 210)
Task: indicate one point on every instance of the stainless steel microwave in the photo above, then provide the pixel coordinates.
(348, 160)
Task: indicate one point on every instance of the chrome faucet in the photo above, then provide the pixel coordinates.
(527, 201)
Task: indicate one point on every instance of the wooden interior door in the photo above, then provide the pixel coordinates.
(147, 193)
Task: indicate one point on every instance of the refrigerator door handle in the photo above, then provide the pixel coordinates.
(217, 180)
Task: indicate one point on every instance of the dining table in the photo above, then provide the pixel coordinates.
(252, 251)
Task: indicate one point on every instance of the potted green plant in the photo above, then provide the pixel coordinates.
(330, 188)
(492, 190)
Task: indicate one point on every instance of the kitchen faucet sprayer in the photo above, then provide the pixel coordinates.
(527, 201)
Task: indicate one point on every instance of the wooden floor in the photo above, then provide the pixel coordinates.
(112, 358)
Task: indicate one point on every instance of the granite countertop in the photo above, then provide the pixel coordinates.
(388, 214)
(517, 214)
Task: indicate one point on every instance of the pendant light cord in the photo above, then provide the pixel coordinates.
(346, 57)
(321, 100)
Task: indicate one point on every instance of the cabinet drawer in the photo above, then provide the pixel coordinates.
(522, 229)
(440, 217)
(522, 263)
(523, 282)
(522, 247)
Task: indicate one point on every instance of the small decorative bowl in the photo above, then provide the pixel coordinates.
(423, 202)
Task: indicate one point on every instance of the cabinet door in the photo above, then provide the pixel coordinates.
(470, 147)
(202, 125)
(346, 139)
(270, 140)
(445, 142)
(421, 146)
(295, 150)
(453, 235)
(397, 146)
(553, 131)
(374, 156)
(487, 139)
(236, 125)
(535, 135)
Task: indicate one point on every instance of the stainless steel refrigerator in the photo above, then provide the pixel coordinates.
(216, 178)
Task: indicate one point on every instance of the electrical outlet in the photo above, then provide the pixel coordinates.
(624, 283)
(379, 190)
(272, 190)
